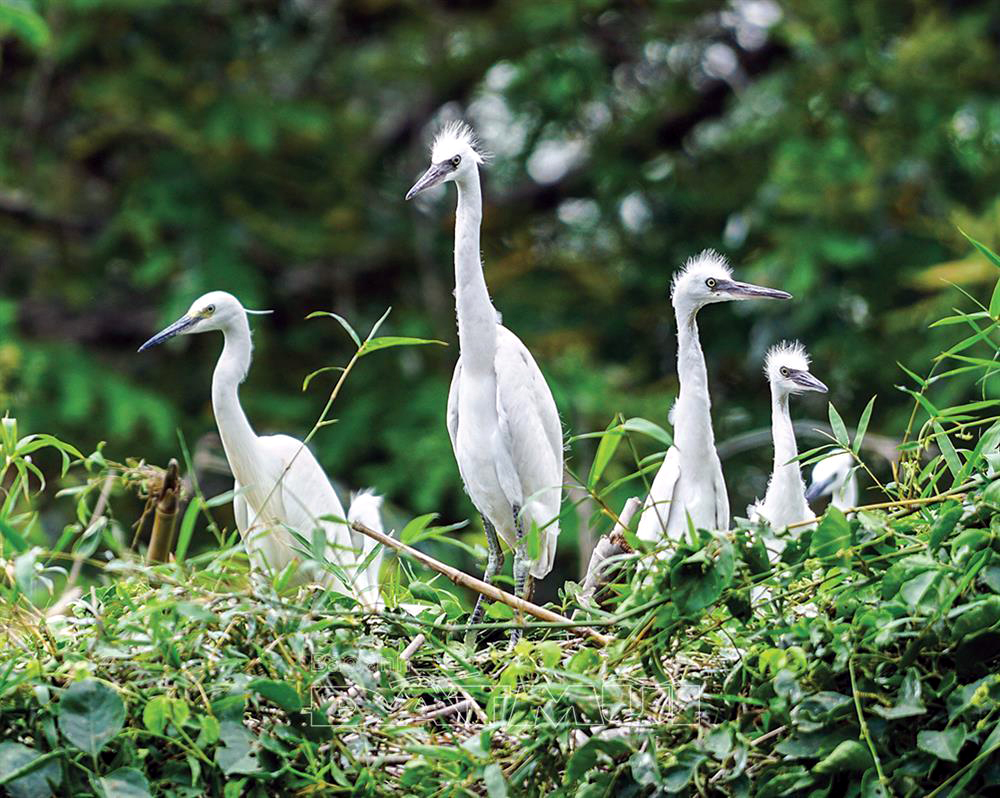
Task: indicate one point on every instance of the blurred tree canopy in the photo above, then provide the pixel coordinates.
(152, 150)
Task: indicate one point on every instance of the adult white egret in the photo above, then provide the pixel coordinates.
(502, 419)
(834, 476)
(279, 484)
(689, 483)
(787, 370)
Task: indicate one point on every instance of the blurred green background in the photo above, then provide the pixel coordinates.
(151, 151)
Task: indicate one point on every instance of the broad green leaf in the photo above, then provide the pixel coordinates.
(951, 458)
(849, 756)
(37, 782)
(496, 785)
(948, 517)
(832, 535)
(411, 533)
(90, 715)
(237, 752)
(282, 694)
(125, 783)
(17, 17)
(648, 428)
(942, 744)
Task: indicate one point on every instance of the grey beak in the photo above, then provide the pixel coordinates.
(751, 291)
(808, 382)
(179, 326)
(817, 489)
(432, 177)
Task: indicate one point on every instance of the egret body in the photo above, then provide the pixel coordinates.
(834, 476)
(502, 419)
(279, 484)
(689, 483)
(787, 370)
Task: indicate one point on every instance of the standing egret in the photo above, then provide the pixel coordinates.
(689, 484)
(787, 370)
(279, 485)
(834, 476)
(502, 419)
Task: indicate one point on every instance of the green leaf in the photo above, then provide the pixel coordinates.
(951, 458)
(90, 715)
(866, 416)
(125, 783)
(496, 785)
(832, 535)
(850, 755)
(839, 429)
(995, 301)
(698, 581)
(309, 377)
(37, 782)
(237, 751)
(605, 451)
(187, 529)
(648, 428)
(414, 527)
(387, 341)
(942, 744)
(909, 702)
(991, 256)
(13, 537)
(343, 323)
(944, 525)
(281, 694)
(550, 652)
(17, 17)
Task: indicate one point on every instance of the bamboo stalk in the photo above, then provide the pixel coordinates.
(161, 539)
(490, 591)
(608, 546)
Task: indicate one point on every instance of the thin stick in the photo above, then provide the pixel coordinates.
(864, 728)
(99, 507)
(490, 591)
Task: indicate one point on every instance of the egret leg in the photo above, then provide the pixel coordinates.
(494, 562)
(523, 583)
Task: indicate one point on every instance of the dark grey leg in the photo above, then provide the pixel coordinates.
(494, 562)
(521, 575)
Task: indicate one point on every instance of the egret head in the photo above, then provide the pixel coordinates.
(830, 475)
(707, 278)
(215, 310)
(787, 369)
(454, 154)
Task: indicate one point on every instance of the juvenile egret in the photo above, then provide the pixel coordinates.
(278, 482)
(787, 370)
(502, 419)
(690, 482)
(834, 476)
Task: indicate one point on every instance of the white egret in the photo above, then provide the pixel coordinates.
(502, 419)
(689, 483)
(279, 484)
(787, 370)
(834, 476)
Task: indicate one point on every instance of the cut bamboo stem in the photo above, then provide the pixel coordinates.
(610, 545)
(490, 591)
(161, 539)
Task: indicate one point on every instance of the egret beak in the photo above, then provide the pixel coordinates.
(817, 489)
(807, 382)
(432, 177)
(179, 326)
(738, 290)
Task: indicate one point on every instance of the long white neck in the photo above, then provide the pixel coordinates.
(693, 416)
(238, 438)
(477, 318)
(786, 479)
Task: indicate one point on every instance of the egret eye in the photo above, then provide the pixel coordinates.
(456, 160)
(710, 282)
(210, 310)
(784, 371)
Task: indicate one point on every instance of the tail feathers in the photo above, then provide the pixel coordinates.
(366, 508)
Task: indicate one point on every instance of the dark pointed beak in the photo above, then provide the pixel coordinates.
(432, 177)
(817, 489)
(179, 326)
(807, 382)
(750, 291)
